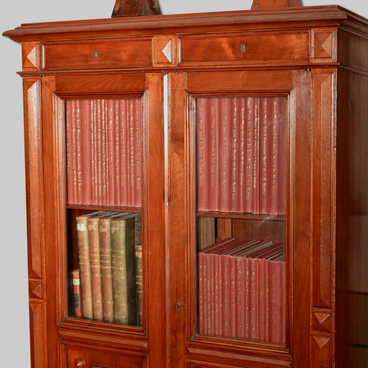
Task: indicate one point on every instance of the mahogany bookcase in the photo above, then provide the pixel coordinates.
(195, 77)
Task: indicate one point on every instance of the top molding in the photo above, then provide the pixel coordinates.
(276, 19)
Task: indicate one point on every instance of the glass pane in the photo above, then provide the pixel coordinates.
(103, 155)
(241, 217)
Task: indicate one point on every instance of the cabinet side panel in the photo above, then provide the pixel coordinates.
(154, 191)
(352, 221)
(300, 227)
(34, 176)
(37, 334)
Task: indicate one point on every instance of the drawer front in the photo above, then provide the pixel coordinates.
(245, 48)
(92, 357)
(98, 54)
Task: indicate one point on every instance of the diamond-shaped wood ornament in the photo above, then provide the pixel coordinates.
(30, 56)
(35, 290)
(323, 44)
(322, 321)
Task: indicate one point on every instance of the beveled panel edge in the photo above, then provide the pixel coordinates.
(37, 315)
(103, 339)
(34, 176)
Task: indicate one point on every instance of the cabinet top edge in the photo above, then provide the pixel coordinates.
(329, 15)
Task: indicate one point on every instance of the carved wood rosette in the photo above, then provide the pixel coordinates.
(323, 264)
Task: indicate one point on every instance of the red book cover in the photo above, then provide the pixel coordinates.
(283, 303)
(247, 296)
(233, 290)
(224, 153)
(249, 155)
(263, 145)
(273, 177)
(138, 153)
(69, 151)
(240, 297)
(234, 154)
(242, 155)
(281, 155)
(256, 154)
(123, 153)
(214, 134)
(110, 118)
(226, 295)
(202, 155)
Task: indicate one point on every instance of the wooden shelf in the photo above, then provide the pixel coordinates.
(250, 216)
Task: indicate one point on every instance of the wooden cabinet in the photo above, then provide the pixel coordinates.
(246, 125)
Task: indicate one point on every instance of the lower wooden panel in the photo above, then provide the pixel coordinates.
(83, 356)
(38, 339)
(199, 364)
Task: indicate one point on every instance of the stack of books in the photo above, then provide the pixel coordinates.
(104, 151)
(110, 261)
(242, 290)
(241, 154)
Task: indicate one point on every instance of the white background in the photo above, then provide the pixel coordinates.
(14, 329)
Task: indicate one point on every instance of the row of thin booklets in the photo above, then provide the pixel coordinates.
(104, 149)
(241, 154)
(242, 290)
(110, 268)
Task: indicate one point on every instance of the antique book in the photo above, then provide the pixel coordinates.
(123, 269)
(77, 301)
(138, 267)
(84, 263)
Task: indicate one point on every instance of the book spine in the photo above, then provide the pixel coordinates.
(253, 299)
(234, 155)
(249, 170)
(99, 171)
(242, 156)
(131, 171)
(247, 281)
(275, 301)
(110, 151)
(213, 297)
(106, 280)
(261, 299)
(213, 116)
(122, 260)
(85, 107)
(267, 301)
(240, 298)
(217, 296)
(69, 151)
(205, 294)
(94, 152)
(263, 144)
(283, 302)
(233, 291)
(77, 301)
(273, 157)
(208, 319)
(117, 143)
(138, 268)
(226, 295)
(84, 265)
(138, 153)
(123, 154)
(202, 155)
(225, 170)
(281, 155)
(95, 264)
(104, 153)
(74, 152)
(256, 175)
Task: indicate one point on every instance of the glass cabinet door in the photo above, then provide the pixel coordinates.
(104, 217)
(240, 217)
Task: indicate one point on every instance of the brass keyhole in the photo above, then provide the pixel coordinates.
(242, 47)
(177, 306)
(96, 54)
